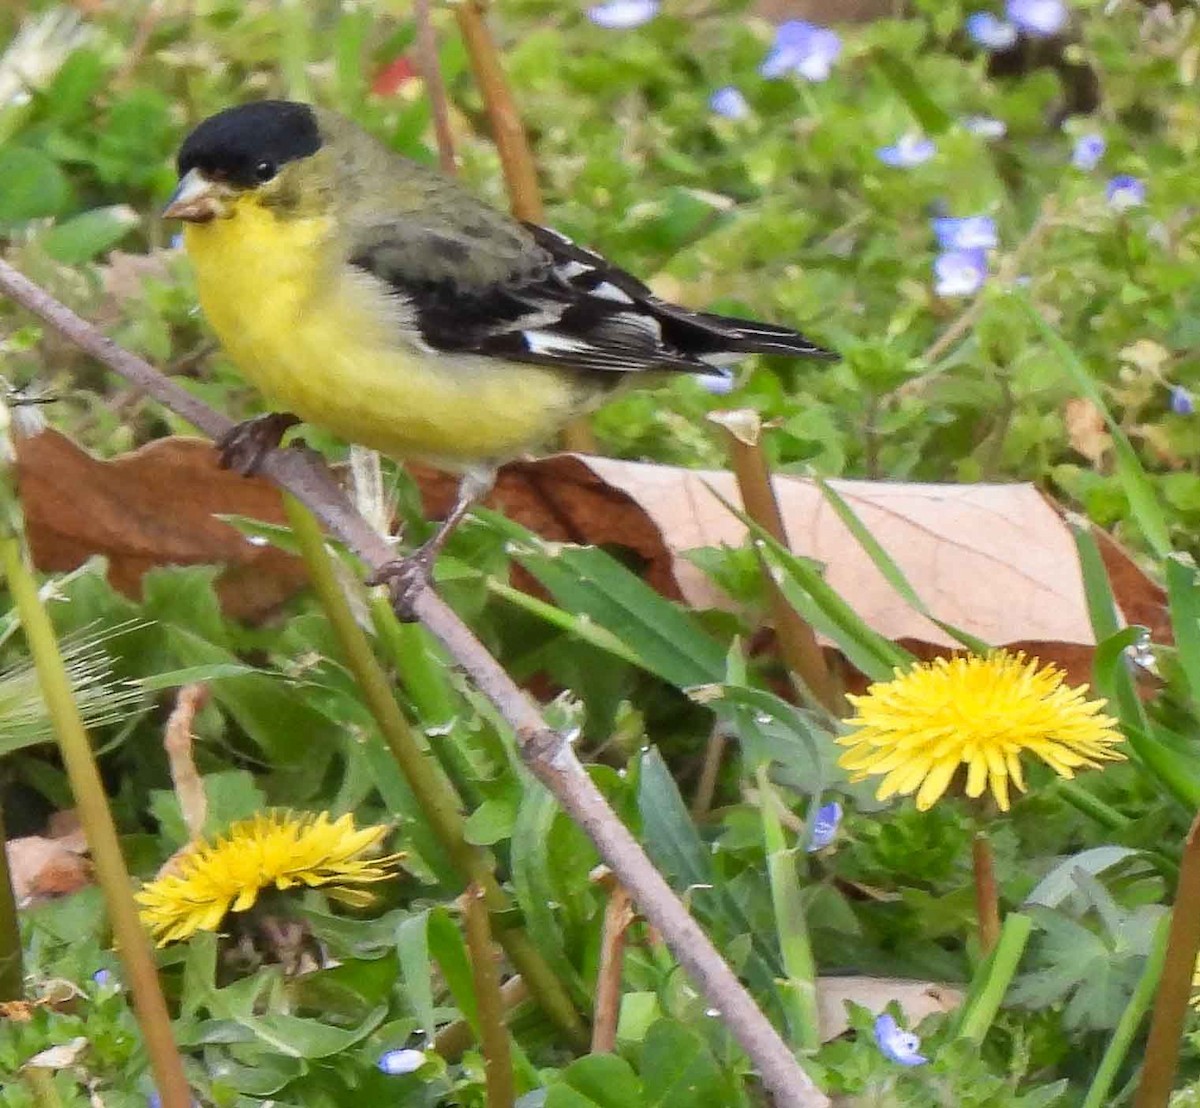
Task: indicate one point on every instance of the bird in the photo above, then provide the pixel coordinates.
(373, 296)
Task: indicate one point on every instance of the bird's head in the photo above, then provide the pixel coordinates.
(260, 152)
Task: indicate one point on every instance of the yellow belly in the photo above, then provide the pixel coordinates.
(325, 344)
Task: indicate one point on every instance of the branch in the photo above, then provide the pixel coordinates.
(548, 755)
(435, 87)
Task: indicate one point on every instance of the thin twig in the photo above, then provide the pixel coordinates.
(452, 1041)
(706, 787)
(435, 86)
(1161, 1056)
(618, 915)
(493, 1032)
(798, 643)
(12, 962)
(549, 755)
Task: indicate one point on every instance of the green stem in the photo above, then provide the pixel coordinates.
(92, 805)
(1079, 797)
(489, 1004)
(437, 798)
(993, 978)
(1131, 1018)
(12, 967)
(800, 989)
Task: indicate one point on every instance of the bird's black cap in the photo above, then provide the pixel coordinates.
(246, 145)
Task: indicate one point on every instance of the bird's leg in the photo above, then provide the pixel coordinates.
(245, 446)
(408, 577)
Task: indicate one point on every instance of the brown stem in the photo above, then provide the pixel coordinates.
(797, 642)
(549, 757)
(618, 915)
(1170, 1005)
(706, 787)
(12, 963)
(177, 742)
(452, 1041)
(987, 897)
(435, 87)
(493, 1033)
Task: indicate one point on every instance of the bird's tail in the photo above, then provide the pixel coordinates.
(709, 336)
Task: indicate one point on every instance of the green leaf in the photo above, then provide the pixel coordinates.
(1059, 883)
(679, 1071)
(1184, 596)
(84, 237)
(449, 950)
(912, 90)
(596, 1081)
(412, 950)
(31, 185)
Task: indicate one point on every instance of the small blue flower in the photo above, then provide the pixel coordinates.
(824, 826)
(729, 102)
(971, 232)
(396, 1063)
(897, 1044)
(990, 31)
(909, 151)
(985, 126)
(804, 48)
(959, 272)
(1088, 151)
(105, 979)
(1124, 191)
(1038, 18)
(623, 15)
(1182, 402)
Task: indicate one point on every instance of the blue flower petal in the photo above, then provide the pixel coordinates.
(824, 826)
(623, 15)
(1088, 151)
(396, 1063)
(803, 48)
(729, 102)
(1124, 191)
(985, 126)
(1038, 18)
(900, 1046)
(909, 151)
(990, 31)
(959, 272)
(970, 232)
(1182, 402)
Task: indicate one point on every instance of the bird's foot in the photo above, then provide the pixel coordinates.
(244, 447)
(406, 579)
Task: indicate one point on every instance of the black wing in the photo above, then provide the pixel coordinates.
(562, 305)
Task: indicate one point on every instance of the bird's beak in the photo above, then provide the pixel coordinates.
(196, 199)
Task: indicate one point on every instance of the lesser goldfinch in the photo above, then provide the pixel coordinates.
(378, 298)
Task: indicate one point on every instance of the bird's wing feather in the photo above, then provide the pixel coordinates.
(551, 303)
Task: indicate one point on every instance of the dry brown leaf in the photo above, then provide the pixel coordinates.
(917, 999)
(43, 868)
(995, 560)
(1086, 430)
(155, 506)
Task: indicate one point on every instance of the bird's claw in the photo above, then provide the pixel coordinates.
(244, 447)
(406, 579)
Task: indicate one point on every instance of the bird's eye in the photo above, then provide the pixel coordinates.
(264, 171)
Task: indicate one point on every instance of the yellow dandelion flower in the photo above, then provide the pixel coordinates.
(980, 712)
(278, 850)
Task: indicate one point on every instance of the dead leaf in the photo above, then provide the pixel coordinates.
(995, 560)
(1086, 430)
(158, 505)
(917, 999)
(42, 868)
(58, 1057)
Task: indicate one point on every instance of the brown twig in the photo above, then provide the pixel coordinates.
(548, 755)
(618, 915)
(516, 158)
(987, 897)
(493, 1033)
(1175, 985)
(435, 87)
(452, 1041)
(177, 741)
(797, 641)
(706, 787)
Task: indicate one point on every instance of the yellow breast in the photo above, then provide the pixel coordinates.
(326, 343)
